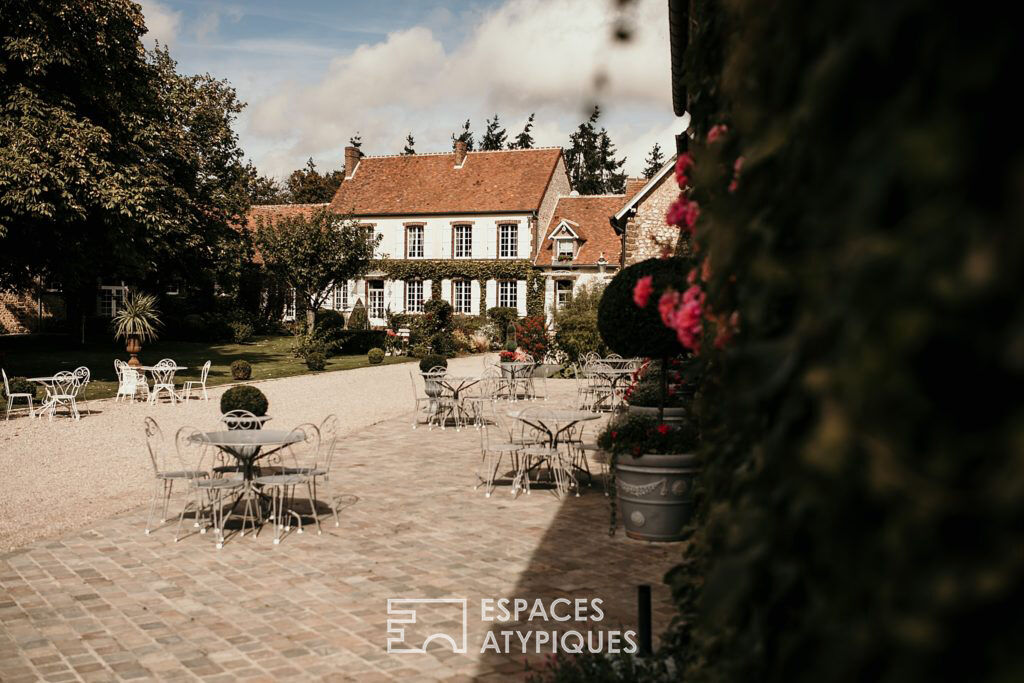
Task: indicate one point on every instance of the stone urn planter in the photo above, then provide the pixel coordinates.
(671, 414)
(133, 345)
(655, 494)
(432, 384)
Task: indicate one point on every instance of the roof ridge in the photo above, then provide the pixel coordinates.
(253, 206)
(443, 154)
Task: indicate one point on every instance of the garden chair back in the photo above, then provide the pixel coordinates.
(186, 390)
(240, 419)
(11, 397)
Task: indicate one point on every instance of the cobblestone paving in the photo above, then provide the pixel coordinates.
(111, 603)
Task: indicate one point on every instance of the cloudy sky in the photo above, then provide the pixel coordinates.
(314, 72)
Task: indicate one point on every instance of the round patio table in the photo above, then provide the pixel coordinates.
(47, 384)
(517, 371)
(246, 445)
(613, 376)
(554, 422)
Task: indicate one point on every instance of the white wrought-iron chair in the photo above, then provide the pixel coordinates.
(83, 375)
(282, 485)
(496, 441)
(163, 380)
(11, 397)
(444, 404)
(207, 493)
(186, 390)
(63, 391)
(536, 452)
(130, 382)
(421, 404)
(164, 471)
(319, 467)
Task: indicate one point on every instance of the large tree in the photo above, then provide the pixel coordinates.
(112, 165)
(590, 159)
(312, 253)
(525, 139)
(309, 186)
(494, 136)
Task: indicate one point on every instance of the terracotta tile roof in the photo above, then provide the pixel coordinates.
(500, 181)
(589, 216)
(271, 212)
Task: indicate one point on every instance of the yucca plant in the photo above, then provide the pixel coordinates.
(137, 317)
(135, 322)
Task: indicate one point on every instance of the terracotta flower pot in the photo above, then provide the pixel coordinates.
(133, 345)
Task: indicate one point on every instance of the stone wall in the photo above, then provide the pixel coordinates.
(647, 234)
(19, 312)
(558, 187)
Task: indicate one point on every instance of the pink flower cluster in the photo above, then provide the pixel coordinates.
(684, 313)
(642, 291)
(717, 131)
(683, 164)
(683, 213)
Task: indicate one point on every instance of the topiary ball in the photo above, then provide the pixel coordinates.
(375, 356)
(241, 369)
(633, 331)
(429, 362)
(316, 361)
(245, 397)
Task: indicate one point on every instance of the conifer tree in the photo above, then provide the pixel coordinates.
(524, 140)
(590, 159)
(465, 135)
(494, 136)
(654, 161)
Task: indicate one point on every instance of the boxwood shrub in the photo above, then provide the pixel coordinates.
(630, 330)
(244, 397)
(432, 361)
(375, 356)
(240, 369)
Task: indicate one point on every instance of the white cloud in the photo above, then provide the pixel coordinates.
(162, 23)
(525, 56)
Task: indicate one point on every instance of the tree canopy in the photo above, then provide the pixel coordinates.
(590, 159)
(111, 163)
(465, 135)
(524, 140)
(309, 186)
(654, 161)
(313, 253)
(494, 136)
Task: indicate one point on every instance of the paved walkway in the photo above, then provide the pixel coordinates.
(112, 603)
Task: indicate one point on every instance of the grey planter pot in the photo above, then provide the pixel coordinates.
(431, 386)
(655, 494)
(671, 414)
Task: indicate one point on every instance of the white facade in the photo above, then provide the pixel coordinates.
(473, 237)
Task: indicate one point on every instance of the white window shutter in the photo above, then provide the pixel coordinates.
(521, 296)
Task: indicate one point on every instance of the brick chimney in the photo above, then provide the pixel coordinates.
(351, 159)
(460, 153)
(633, 186)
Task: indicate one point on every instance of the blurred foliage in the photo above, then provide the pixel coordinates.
(575, 322)
(863, 496)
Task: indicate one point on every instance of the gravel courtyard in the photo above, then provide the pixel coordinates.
(99, 600)
(64, 475)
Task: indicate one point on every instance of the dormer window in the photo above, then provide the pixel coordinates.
(564, 249)
(564, 240)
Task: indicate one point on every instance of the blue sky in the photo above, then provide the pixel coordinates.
(315, 72)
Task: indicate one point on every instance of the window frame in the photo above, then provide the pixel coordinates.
(468, 298)
(422, 231)
(513, 242)
(515, 294)
(369, 299)
(343, 289)
(467, 228)
(419, 305)
(559, 290)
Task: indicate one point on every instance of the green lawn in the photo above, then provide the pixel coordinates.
(270, 357)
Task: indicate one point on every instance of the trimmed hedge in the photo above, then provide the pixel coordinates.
(630, 330)
(244, 397)
(358, 342)
(241, 369)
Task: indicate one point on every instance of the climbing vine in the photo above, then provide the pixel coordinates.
(480, 270)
